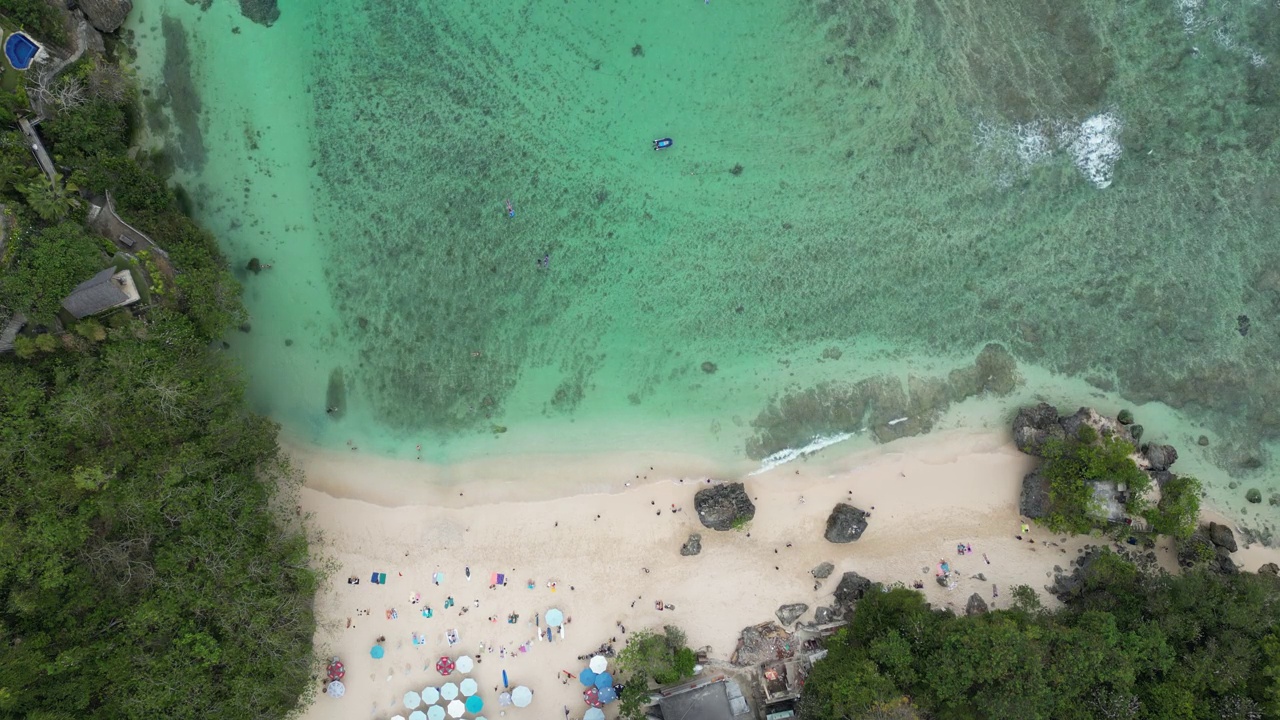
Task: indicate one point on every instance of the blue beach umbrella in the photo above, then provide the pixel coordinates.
(587, 678)
(608, 695)
(554, 618)
(377, 651)
(604, 680)
(474, 704)
(593, 714)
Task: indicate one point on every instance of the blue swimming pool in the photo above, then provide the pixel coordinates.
(21, 50)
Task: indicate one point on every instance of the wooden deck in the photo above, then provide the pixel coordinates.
(37, 148)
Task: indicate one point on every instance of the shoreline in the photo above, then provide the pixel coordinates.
(614, 549)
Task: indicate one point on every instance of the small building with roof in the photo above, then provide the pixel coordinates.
(715, 698)
(107, 290)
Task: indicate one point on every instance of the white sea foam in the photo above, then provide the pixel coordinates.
(1033, 144)
(783, 457)
(1190, 10)
(1095, 147)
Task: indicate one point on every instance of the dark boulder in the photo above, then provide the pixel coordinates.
(824, 615)
(1223, 563)
(788, 614)
(1268, 569)
(1222, 536)
(976, 605)
(846, 524)
(1253, 495)
(263, 12)
(1032, 426)
(1160, 456)
(851, 589)
(692, 546)
(106, 15)
(724, 507)
(823, 571)
(1033, 503)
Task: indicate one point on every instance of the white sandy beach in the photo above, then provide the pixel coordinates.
(612, 550)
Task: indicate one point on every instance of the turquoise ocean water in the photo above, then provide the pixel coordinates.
(861, 196)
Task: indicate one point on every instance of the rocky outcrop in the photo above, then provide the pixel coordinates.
(724, 507)
(824, 615)
(976, 605)
(851, 589)
(789, 613)
(845, 524)
(1268, 569)
(1033, 503)
(1032, 426)
(1221, 536)
(1160, 457)
(263, 12)
(106, 15)
(823, 571)
(692, 546)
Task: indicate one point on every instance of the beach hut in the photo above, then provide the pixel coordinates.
(521, 696)
(464, 664)
(598, 664)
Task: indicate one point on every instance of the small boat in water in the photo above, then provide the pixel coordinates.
(663, 144)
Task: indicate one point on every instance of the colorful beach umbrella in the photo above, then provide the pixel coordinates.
(336, 689)
(554, 618)
(377, 651)
(587, 677)
(592, 696)
(474, 704)
(465, 664)
(435, 712)
(412, 700)
(417, 715)
(430, 695)
(456, 708)
(504, 699)
(444, 665)
(336, 670)
(604, 680)
(521, 696)
(593, 714)
(608, 695)
(598, 664)
(448, 691)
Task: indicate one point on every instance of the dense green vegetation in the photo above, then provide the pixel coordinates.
(145, 568)
(661, 658)
(1129, 645)
(1072, 467)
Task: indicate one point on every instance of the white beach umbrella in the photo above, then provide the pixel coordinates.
(456, 708)
(598, 664)
(336, 689)
(397, 717)
(430, 696)
(417, 715)
(594, 713)
(521, 696)
(464, 664)
(435, 712)
(449, 691)
(468, 687)
(412, 700)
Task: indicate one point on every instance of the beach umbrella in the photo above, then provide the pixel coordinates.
(592, 696)
(465, 664)
(468, 687)
(554, 618)
(336, 689)
(444, 665)
(586, 677)
(504, 699)
(521, 696)
(608, 695)
(598, 664)
(336, 670)
(430, 695)
(417, 715)
(474, 703)
(449, 691)
(604, 680)
(504, 679)
(412, 700)
(377, 651)
(456, 708)
(435, 712)
(397, 717)
(593, 714)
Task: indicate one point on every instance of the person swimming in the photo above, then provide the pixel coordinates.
(544, 261)
(511, 212)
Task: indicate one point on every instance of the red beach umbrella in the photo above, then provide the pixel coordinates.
(336, 670)
(444, 665)
(592, 696)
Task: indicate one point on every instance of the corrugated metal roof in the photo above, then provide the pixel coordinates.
(98, 293)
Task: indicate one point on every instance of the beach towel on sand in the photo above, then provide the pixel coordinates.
(378, 578)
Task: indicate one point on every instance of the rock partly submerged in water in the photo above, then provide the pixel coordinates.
(263, 12)
(336, 395)
(724, 507)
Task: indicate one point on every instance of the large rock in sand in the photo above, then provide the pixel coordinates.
(1222, 536)
(722, 507)
(1160, 456)
(106, 15)
(845, 524)
(823, 570)
(851, 589)
(1033, 503)
(976, 605)
(788, 614)
(1032, 426)
(692, 546)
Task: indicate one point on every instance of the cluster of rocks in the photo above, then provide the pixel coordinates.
(1211, 544)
